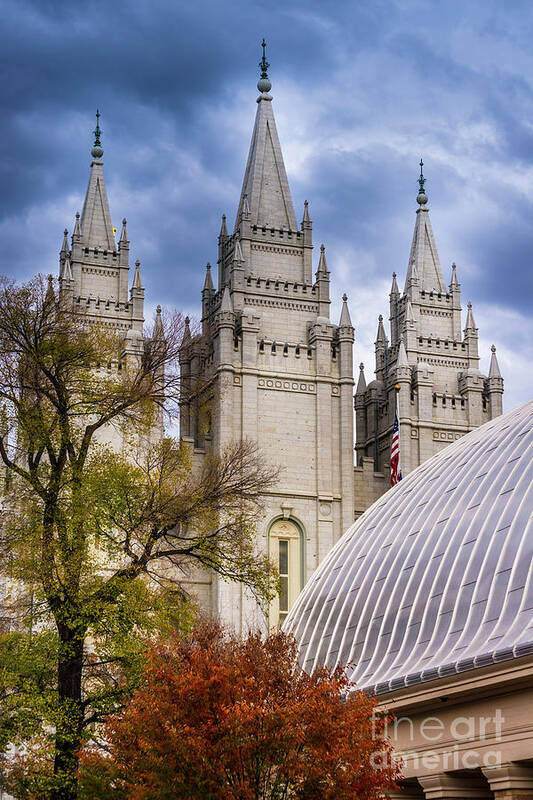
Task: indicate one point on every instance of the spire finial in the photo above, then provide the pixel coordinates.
(137, 282)
(64, 246)
(422, 196)
(322, 263)
(158, 333)
(187, 331)
(97, 151)
(494, 369)
(50, 296)
(361, 383)
(345, 314)
(263, 84)
(223, 229)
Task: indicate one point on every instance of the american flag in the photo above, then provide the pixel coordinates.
(395, 472)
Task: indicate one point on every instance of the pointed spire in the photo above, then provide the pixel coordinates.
(223, 229)
(345, 313)
(306, 220)
(394, 287)
(64, 247)
(380, 336)
(402, 355)
(454, 283)
(470, 322)
(158, 324)
(124, 233)
(237, 253)
(50, 295)
(186, 332)
(424, 258)
(361, 383)
(97, 151)
(137, 283)
(227, 303)
(208, 283)
(77, 227)
(265, 186)
(96, 225)
(322, 263)
(494, 369)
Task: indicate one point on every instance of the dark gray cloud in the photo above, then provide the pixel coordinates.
(361, 90)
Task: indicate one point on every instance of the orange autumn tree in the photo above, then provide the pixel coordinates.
(219, 717)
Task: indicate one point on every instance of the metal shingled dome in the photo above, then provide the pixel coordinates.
(436, 577)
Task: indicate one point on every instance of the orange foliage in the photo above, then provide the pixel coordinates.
(224, 718)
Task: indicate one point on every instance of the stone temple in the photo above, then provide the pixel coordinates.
(273, 366)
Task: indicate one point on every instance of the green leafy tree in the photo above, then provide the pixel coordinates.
(96, 537)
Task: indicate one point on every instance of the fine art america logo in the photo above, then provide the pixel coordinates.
(436, 744)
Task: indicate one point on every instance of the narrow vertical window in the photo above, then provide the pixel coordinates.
(286, 553)
(283, 567)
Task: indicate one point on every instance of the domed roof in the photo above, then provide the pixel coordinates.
(436, 577)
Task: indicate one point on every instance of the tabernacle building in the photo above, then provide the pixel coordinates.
(429, 598)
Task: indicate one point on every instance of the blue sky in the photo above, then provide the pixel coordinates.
(361, 91)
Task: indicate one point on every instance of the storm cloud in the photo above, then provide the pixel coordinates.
(361, 91)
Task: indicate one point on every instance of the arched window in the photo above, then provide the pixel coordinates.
(286, 551)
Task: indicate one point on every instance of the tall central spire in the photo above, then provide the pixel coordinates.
(96, 225)
(424, 262)
(265, 196)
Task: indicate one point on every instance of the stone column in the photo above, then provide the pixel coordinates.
(510, 781)
(346, 443)
(449, 786)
